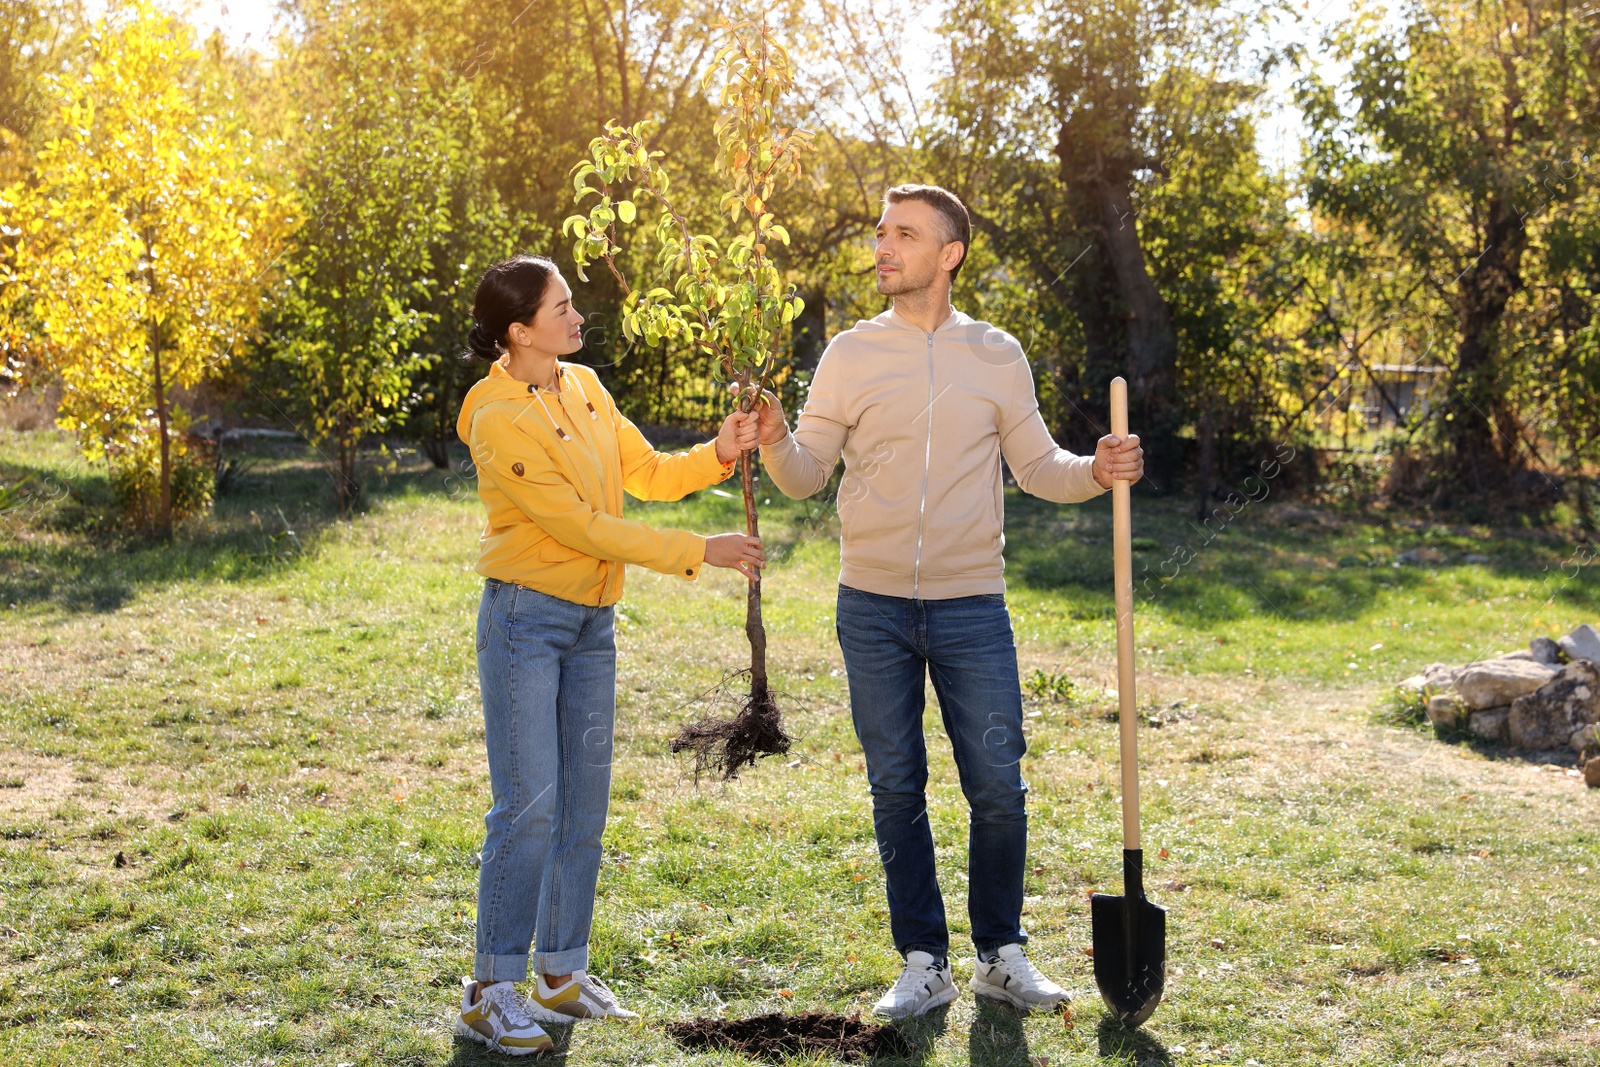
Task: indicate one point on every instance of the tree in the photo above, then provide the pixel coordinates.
(378, 148)
(1467, 143)
(144, 240)
(34, 37)
(1061, 123)
(727, 299)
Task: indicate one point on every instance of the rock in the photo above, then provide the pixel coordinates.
(1545, 651)
(1548, 717)
(1494, 682)
(1582, 643)
(1434, 676)
(1443, 710)
(1420, 554)
(1520, 653)
(1475, 557)
(1489, 723)
(1591, 773)
(1585, 737)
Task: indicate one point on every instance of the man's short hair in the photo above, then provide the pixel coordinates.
(954, 222)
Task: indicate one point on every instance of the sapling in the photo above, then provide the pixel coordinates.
(725, 300)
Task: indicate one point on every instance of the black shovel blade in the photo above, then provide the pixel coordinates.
(1130, 946)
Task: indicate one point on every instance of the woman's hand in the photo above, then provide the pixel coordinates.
(1117, 459)
(740, 433)
(737, 551)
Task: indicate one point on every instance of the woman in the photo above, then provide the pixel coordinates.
(553, 456)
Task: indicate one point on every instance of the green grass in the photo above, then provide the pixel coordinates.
(242, 784)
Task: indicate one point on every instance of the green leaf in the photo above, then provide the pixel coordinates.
(627, 212)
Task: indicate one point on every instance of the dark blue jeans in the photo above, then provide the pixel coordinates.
(965, 645)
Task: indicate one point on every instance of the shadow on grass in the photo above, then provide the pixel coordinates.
(469, 1053)
(996, 1038)
(1294, 562)
(1132, 1048)
(920, 1033)
(64, 546)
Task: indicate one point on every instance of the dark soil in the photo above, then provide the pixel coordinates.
(775, 1036)
(722, 747)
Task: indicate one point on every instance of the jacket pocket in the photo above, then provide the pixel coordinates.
(552, 551)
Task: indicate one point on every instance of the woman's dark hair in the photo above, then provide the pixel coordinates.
(508, 292)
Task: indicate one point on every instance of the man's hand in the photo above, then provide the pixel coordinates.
(1117, 459)
(773, 426)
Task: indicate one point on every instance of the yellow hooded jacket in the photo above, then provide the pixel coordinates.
(555, 495)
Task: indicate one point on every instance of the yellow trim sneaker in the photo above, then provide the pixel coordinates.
(1007, 974)
(500, 1020)
(923, 985)
(582, 997)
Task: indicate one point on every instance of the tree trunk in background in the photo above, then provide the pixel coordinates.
(1482, 430)
(810, 331)
(1099, 180)
(1205, 468)
(164, 515)
(1094, 301)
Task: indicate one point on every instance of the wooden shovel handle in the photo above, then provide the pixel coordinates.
(1122, 581)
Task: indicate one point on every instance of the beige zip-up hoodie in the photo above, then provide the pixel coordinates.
(922, 420)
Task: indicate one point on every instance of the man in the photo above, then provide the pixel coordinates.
(922, 402)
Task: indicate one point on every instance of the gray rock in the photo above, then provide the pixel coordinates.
(1443, 710)
(1475, 557)
(1489, 723)
(1420, 554)
(1434, 676)
(1520, 653)
(1585, 737)
(1547, 717)
(1582, 643)
(1494, 682)
(1546, 651)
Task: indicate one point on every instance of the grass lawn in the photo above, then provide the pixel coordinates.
(242, 785)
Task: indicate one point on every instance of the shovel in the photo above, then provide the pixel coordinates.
(1130, 933)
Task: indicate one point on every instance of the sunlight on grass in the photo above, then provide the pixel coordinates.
(243, 789)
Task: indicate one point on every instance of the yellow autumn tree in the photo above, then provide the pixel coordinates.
(144, 234)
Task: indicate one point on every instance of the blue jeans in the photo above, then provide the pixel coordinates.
(547, 670)
(965, 644)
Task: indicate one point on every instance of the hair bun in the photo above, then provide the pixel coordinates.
(480, 344)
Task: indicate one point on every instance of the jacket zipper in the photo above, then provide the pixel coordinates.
(927, 464)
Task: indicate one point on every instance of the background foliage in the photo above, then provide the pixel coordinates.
(1440, 216)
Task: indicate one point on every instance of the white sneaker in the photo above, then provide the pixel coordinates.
(500, 1020)
(1010, 976)
(924, 985)
(582, 997)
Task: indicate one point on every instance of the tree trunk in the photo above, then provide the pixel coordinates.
(437, 443)
(164, 514)
(348, 489)
(1206, 465)
(810, 335)
(1096, 166)
(1481, 429)
(753, 627)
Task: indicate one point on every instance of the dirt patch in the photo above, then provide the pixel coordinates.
(33, 789)
(775, 1036)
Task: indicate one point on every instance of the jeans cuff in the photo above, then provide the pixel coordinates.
(573, 959)
(938, 952)
(994, 946)
(486, 968)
